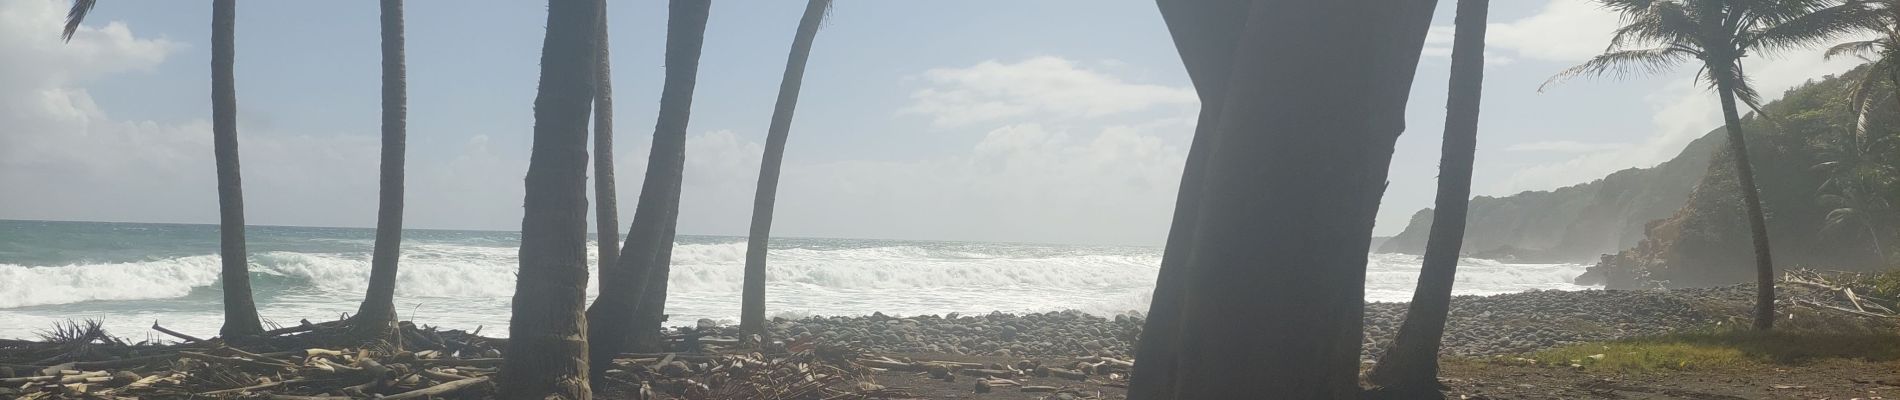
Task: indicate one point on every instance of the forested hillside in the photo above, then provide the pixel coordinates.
(1574, 223)
(1827, 191)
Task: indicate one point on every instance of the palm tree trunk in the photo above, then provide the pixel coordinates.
(606, 202)
(1411, 365)
(1751, 198)
(650, 310)
(547, 333)
(379, 306)
(752, 304)
(1275, 284)
(617, 322)
(240, 310)
(1204, 33)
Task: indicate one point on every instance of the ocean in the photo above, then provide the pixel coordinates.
(130, 275)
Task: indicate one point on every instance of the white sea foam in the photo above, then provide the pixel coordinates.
(464, 286)
(22, 286)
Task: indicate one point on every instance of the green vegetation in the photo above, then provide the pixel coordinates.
(1727, 349)
(1887, 283)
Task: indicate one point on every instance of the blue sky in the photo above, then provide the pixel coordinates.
(1054, 121)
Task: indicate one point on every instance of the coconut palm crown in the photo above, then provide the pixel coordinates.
(1659, 34)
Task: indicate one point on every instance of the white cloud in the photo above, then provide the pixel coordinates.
(1683, 111)
(1564, 30)
(1040, 164)
(1047, 87)
(1438, 43)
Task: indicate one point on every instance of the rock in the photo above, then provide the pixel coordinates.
(124, 377)
(675, 369)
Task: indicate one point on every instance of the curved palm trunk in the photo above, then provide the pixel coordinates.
(1751, 198)
(1205, 34)
(240, 311)
(752, 304)
(606, 203)
(547, 332)
(1411, 365)
(626, 316)
(1275, 280)
(379, 307)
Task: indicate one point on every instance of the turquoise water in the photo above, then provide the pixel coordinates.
(131, 274)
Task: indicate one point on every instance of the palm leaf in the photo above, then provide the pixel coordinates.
(1862, 90)
(74, 17)
(1622, 63)
(1812, 27)
(1855, 48)
(1662, 23)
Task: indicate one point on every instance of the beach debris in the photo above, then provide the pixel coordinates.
(325, 361)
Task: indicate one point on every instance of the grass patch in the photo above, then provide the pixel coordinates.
(1722, 350)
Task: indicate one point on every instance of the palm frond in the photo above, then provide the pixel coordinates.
(1622, 63)
(1813, 27)
(74, 17)
(1855, 48)
(1839, 215)
(1627, 6)
(1662, 24)
(1862, 89)
(1755, 15)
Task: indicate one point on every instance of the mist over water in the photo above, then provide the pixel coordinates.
(130, 275)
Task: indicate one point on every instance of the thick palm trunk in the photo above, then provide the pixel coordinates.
(240, 310)
(1411, 365)
(379, 308)
(547, 334)
(752, 304)
(1751, 198)
(1204, 33)
(1276, 274)
(606, 202)
(620, 319)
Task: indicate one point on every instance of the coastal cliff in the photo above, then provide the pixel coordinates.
(1576, 223)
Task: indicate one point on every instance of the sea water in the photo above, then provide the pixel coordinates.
(131, 275)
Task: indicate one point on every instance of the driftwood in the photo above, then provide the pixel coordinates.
(187, 338)
(235, 360)
(327, 361)
(438, 389)
(65, 378)
(984, 372)
(1845, 287)
(1067, 374)
(247, 389)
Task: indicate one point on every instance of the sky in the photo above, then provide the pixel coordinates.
(1061, 121)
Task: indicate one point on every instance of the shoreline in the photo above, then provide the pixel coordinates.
(1484, 325)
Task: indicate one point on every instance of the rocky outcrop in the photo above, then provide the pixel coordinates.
(1575, 223)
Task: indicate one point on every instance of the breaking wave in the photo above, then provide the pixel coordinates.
(457, 284)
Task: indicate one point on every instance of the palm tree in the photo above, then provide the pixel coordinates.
(379, 308)
(547, 332)
(240, 310)
(752, 304)
(1312, 108)
(1662, 33)
(1205, 34)
(1882, 53)
(1856, 174)
(1855, 179)
(606, 203)
(627, 314)
(1411, 364)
